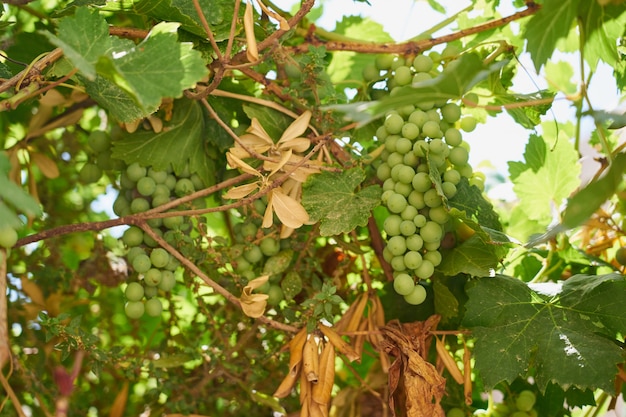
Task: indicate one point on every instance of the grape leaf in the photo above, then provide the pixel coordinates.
(118, 102)
(565, 331)
(549, 24)
(560, 75)
(527, 116)
(156, 68)
(218, 14)
(601, 25)
(330, 198)
(347, 65)
(586, 201)
(84, 38)
(551, 176)
(181, 142)
(470, 200)
(456, 79)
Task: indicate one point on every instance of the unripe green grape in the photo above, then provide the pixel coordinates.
(432, 198)
(519, 414)
(416, 199)
(198, 183)
(242, 265)
(139, 205)
(468, 124)
(453, 137)
(135, 172)
(276, 295)
(420, 148)
(452, 176)
(397, 62)
(370, 72)
(403, 284)
(403, 189)
(175, 222)
(8, 237)
(89, 173)
(381, 133)
(421, 182)
(396, 203)
(431, 129)
(410, 130)
(152, 277)
(99, 141)
(412, 259)
(407, 228)
(121, 206)
(134, 309)
(395, 172)
(387, 255)
(406, 110)
(432, 246)
(134, 291)
(418, 78)
(396, 245)
(133, 252)
(449, 189)
(154, 308)
(149, 240)
(159, 200)
(386, 194)
(159, 177)
(388, 185)
(383, 62)
(425, 270)
(455, 412)
(390, 143)
(433, 115)
(172, 264)
(391, 225)
(451, 112)
(438, 160)
(393, 123)
(269, 246)
(394, 159)
(141, 264)
(406, 174)
(253, 254)
(408, 213)
(150, 292)
(411, 159)
(439, 215)
(183, 187)
(417, 296)
(146, 186)
(620, 255)
(383, 171)
(402, 75)
(159, 257)
(525, 400)
(465, 171)
(431, 232)
(423, 168)
(433, 256)
(450, 51)
(397, 263)
(477, 182)
(420, 220)
(404, 146)
(168, 280)
(414, 242)
(170, 181)
(437, 146)
(426, 105)
(422, 63)
(133, 236)
(105, 161)
(458, 156)
(418, 118)
(249, 230)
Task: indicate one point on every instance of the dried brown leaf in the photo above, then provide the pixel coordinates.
(253, 305)
(236, 162)
(241, 191)
(310, 360)
(448, 361)
(119, 404)
(297, 128)
(47, 166)
(252, 51)
(287, 384)
(290, 212)
(467, 369)
(282, 22)
(323, 389)
(341, 345)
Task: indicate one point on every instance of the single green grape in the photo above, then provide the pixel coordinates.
(451, 112)
(168, 280)
(141, 264)
(397, 263)
(152, 277)
(396, 203)
(133, 236)
(404, 146)
(422, 63)
(410, 130)
(620, 255)
(159, 177)
(431, 232)
(425, 270)
(402, 75)
(414, 242)
(407, 228)
(468, 124)
(89, 173)
(253, 254)
(99, 141)
(421, 182)
(134, 309)
(383, 62)
(146, 186)
(393, 123)
(458, 156)
(153, 307)
(139, 205)
(391, 225)
(525, 400)
(134, 291)
(403, 284)
(183, 187)
(135, 172)
(397, 245)
(275, 295)
(412, 259)
(417, 296)
(8, 237)
(159, 257)
(269, 246)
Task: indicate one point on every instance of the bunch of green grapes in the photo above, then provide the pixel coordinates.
(423, 161)
(256, 251)
(141, 189)
(99, 150)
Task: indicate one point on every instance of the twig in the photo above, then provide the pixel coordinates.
(207, 29)
(5, 349)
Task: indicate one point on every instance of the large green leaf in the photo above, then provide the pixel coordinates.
(84, 38)
(180, 144)
(551, 23)
(550, 174)
(118, 102)
(455, 80)
(331, 199)
(601, 26)
(13, 198)
(565, 332)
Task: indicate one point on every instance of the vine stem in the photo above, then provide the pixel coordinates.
(5, 350)
(413, 47)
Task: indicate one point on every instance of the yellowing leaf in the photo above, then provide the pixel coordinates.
(297, 128)
(47, 166)
(241, 191)
(252, 51)
(289, 211)
(253, 305)
(235, 162)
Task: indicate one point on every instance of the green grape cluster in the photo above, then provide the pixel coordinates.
(141, 189)
(99, 150)
(423, 162)
(521, 404)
